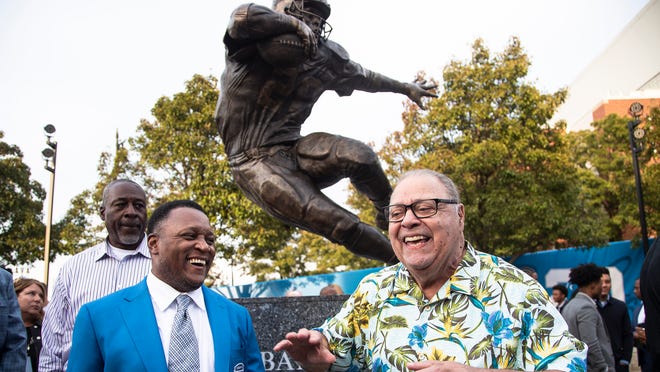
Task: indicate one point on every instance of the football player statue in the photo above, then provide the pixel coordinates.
(267, 91)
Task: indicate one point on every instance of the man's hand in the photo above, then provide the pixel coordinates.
(419, 89)
(309, 348)
(308, 37)
(640, 335)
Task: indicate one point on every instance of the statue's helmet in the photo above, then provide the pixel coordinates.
(312, 8)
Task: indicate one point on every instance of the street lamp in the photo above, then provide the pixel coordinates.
(50, 156)
(635, 133)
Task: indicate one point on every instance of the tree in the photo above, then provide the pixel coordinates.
(310, 254)
(181, 156)
(81, 226)
(604, 151)
(650, 164)
(488, 130)
(21, 201)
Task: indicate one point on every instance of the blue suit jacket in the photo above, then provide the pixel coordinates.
(13, 350)
(119, 333)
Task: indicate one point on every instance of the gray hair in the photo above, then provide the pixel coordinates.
(106, 189)
(444, 180)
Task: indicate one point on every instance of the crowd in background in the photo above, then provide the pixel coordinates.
(602, 321)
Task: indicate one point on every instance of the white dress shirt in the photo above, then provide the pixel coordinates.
(163, 298)
(641, 318)
(87, 276)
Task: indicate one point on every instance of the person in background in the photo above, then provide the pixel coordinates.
(584, 321)
(559, 294)
(120, 261)
(31, 295)
(617, 321)
(531, 272)
(650, 288)
(639, 333)
(293, 293)
(170, 320)
(444, 306)
(12, 333)
(331, 290)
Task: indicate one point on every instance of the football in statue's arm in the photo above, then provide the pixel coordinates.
(285, 50)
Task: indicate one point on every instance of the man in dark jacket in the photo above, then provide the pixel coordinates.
(639, 333)
(650, 287)
(617, 321)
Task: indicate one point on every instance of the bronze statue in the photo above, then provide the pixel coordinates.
(278, 63)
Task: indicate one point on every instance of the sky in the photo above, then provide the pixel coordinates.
(94, 68)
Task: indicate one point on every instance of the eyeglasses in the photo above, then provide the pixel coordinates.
(421, 209)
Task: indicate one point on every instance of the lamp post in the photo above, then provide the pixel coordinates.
(634, 133)
(50, 156)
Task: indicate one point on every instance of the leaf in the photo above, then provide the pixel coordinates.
(395, 301)
(395, 321)
(543, 364)
(478, 304)
(401, 356)
(481, 348)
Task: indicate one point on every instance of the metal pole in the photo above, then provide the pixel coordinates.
(49, 153)
(49, 223)
(636, 111)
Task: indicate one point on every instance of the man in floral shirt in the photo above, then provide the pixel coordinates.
(445, 306)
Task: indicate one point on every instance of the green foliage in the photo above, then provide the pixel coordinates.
(81, 226)
(181, 156)
(488, 130)
(604, 153)
(330, 257)
(526, 184)
(77, 230)
(649, 160)
(21, 201)
(178, 155)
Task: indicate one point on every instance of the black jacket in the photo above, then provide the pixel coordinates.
(617, 321)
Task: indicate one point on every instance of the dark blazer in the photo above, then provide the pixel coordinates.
(119, 333)
(560, 306)
(616, 318)
(650, 287)
(643, 356)
(13, 349)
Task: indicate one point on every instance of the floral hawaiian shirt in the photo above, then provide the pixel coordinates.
(488, 314)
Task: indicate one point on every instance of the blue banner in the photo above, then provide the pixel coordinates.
(623, 261)
(306, 285)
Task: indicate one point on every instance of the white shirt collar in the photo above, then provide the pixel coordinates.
(163, 295)
(105, 249)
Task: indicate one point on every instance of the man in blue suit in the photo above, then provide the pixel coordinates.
(13, 352)
(140, 328)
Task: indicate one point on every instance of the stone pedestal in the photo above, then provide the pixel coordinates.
(274, 317)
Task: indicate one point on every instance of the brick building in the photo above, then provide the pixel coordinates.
(621, 106)
(628, 70)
